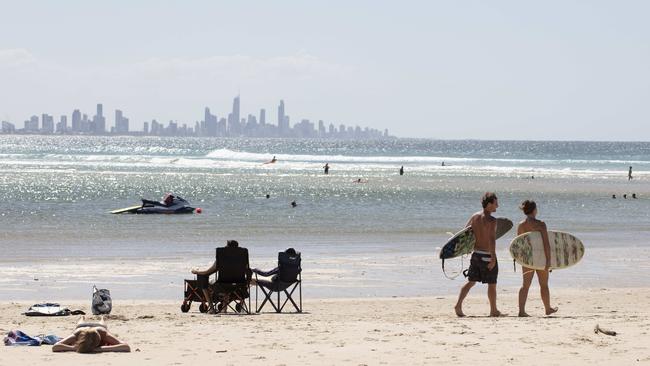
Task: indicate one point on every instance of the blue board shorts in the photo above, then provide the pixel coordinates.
(478, 269)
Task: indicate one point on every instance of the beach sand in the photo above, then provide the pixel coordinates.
(380, 331)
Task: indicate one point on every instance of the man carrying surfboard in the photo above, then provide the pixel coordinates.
(529, 224)
(483, 265)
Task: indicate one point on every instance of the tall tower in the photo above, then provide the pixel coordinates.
(262, 116)
(76, 121)
(235, 109)
(281, 116)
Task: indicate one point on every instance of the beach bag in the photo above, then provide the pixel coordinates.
(102, 303)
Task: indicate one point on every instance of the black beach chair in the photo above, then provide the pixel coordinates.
(233, 280)
(286, 278)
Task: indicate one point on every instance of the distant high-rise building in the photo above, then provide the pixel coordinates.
(332, 130)
(210, 123)
(145, 128)
(62, 126)
(282, 118)
(76, 121)
(99, 121)
(321, 128)
(8, 127)
(48, 123)
(235, 109)
(31, 125)
(85, 123)
(262, 116)
(121, 123)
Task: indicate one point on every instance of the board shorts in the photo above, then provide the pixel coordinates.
(478, 268)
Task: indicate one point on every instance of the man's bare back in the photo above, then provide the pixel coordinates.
(484, 227)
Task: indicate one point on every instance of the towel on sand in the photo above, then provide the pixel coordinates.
(19, 338)
(50, 309)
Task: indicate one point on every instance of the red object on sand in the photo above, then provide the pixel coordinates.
(198, 210)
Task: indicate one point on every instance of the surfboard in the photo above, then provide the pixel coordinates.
(528, 250)
(463, 241)
(126, 209)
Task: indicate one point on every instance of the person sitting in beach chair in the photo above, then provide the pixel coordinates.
(286, 277)
(91, 338)
(233, 276)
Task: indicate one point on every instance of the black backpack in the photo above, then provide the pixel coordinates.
(102, 303)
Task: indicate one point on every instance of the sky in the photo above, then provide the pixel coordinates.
(558, 70)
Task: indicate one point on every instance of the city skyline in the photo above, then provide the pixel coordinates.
(210, 126)
(501, 69)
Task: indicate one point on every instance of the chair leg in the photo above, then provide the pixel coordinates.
(290, 298)
(267, 297)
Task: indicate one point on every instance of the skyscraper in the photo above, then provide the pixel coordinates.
(283, 121)
(48, 123)
(262, 116)
(121, 123)
(210, 123)
(99, 121)
(76, 121)
(62, 126)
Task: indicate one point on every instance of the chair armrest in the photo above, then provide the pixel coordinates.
(265, 273)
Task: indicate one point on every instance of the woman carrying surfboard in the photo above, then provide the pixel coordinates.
(530, 224)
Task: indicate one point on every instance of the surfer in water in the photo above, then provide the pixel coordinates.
(483, 265)
(531, 223)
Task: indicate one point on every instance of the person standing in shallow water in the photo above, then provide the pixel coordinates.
(629, 174)
(401, 170)
(326, 168)
(483, 266)
(531, 223)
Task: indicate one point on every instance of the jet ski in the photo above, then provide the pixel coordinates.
(177, 206)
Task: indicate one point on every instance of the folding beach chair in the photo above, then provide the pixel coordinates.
(233, 280)
(286, 279)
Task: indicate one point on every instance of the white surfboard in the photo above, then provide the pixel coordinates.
(528, 250)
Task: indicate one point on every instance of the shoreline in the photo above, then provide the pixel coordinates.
(408, 330)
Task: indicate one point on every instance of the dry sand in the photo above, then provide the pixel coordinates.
(395, 331)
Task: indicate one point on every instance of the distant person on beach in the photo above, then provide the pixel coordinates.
(634, 195)
(483, 266)
(268, 196)
(91, 338)
(401, 170)
(326, 168)
(624, 196)
(443, 163)
(531, 223)
(614, 196)
(294, 204)
(629, 174)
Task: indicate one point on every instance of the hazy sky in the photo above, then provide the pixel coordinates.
(441, 69)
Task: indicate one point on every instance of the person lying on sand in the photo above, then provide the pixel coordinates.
(483, 266)
(531, 223)
(91, 338)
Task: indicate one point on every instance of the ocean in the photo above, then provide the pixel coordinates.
(377, 238)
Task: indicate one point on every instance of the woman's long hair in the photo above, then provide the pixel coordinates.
(88, 340)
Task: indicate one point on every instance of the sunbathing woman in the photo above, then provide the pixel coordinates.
(91, 338)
